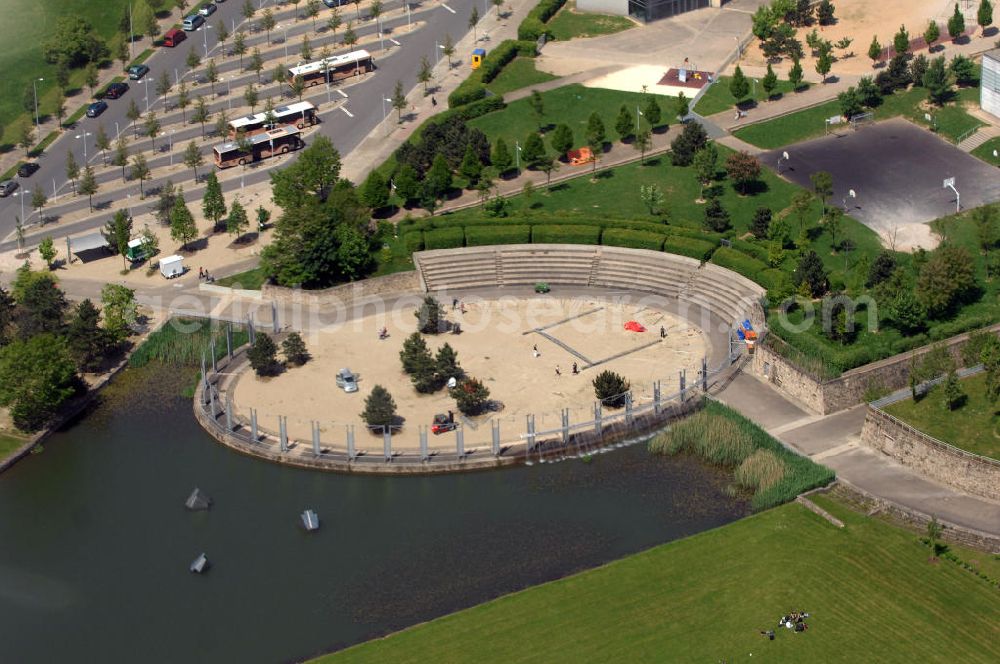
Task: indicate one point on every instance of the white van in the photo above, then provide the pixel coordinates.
(172, 266)
(193, 22)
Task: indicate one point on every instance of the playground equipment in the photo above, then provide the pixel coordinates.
(478, 55)
(580, 157)
(746, 333)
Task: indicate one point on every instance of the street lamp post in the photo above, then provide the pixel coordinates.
(84, 136)
(384, 115)
(34, 88)
(204, 34)
(145, 82)
(517, 157)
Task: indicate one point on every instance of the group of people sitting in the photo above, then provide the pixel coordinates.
(795, 621)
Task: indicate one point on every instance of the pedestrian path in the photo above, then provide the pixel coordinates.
(834, 441)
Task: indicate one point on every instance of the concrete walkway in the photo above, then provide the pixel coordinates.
(835, 441)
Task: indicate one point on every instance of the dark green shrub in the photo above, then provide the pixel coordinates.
(533, 25)
(568, 234)
(444, 238)
(751, 249)
(413, 241)
(685, 246)
(739, 262)
(621, 237)
(477, 236)
(611, 389)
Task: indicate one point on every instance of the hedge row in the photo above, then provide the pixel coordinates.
(751, 249)
(692, 248)
(533, 25)
(444, 238)
(738, 262)
(447, 221)
(477, 235)
(473, 88)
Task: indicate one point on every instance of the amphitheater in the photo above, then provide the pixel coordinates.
(593, 290)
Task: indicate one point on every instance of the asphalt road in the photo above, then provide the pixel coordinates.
(346, 129)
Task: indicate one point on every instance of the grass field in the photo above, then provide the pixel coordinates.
(571, 105)
(871, 591)
(519, 73)
(8, 444)
(951, 121)
(985, 151)
(25, 26)
(717, 98)
(973, 427)
(616, 193)
(568, 24)
(250, 280)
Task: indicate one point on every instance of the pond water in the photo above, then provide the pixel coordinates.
(95, 542)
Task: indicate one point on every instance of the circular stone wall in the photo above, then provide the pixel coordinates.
(499, 335)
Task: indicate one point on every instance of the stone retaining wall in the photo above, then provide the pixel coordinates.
(928, 456)
(829, 396)
(918, 521)
(400, 282)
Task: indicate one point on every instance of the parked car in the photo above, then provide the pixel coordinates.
(443, 423)
(334, 3)
(173, 37)
(347, 381)
(207, 10)
(115, 90)
(7, 188)
(27, 169)
(192, 22)
(96, 108)
(136, 72)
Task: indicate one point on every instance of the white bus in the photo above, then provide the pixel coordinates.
(279, 140)
(334, 68)
(300, 114)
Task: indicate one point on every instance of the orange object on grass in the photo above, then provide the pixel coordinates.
(580, 157)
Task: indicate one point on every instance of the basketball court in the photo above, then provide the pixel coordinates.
(897, 171)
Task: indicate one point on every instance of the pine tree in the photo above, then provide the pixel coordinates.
(956, 24)
(874, 51)
(533, 150)
(501, 158)
(471, 396)
(795, 74)
(984, 15)
(237, 222)
(562, 140)
(413, 353)
(408, 184)
(438, 178)
(596, 135)
(624, 125)
(380, 409)
(769, 82)
(182, 226)
(213, 204)
(375, 192)
(294, 348)
(470, 168)
(611, 389)
(429, 316)
(446, 364)
(88, 185)
(761, 223)
(652, 111)
(739, 86)
(716, 217)
(263, 356)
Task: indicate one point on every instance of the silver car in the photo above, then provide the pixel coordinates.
(347, 381)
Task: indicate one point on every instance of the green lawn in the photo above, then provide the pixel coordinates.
(616, 194)
(717, 97)
(519, 73)
(570, 104)
(985, 151)
(951, 121)
(25, 26)
(568, 24)
(872, 593)
(8, 444)
(249, 280)
(973, 427)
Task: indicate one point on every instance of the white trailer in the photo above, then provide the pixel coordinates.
(172, 266)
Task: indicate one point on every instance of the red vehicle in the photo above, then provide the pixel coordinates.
(443, 423)
(173, 37)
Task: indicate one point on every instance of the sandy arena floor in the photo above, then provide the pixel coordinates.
(492, 347)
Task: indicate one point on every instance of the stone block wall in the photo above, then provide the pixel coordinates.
(830, 396)
(930, 457)
(400, 282)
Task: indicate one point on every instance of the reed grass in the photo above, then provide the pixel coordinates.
(721, 436)
(182, 341)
